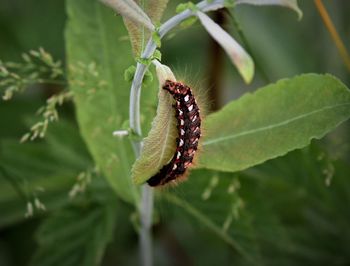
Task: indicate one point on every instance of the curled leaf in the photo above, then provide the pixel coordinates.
(129, 9)
(292, 4)
(160, 144)
(154, 9)
(239, 57)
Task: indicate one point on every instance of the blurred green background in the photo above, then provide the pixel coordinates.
(290, 193)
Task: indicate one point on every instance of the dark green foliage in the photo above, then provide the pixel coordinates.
(44, 170)
(76, 235)
(292, 210)
(288, 216)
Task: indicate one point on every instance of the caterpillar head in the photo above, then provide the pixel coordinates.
(176, 88)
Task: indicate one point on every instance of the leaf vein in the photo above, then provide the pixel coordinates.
(256, 130)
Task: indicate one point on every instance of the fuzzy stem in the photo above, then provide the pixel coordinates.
(146, 204)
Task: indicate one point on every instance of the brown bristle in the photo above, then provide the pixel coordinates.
(189, 132)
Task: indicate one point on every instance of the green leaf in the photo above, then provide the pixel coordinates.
(229, 3)
(311, 212)
(16, 193)
(144, 61)
(273, 121)
(45, 170)
(148, 78)
(155, 9)
(183, 6)
(129, 73)
(130, 10)
(157, 39)
(292, 4)
(75, 236)
(289, 214)
(212, 200)
(97, 59)
(160, 144)
(138, 37)
(188, 22)
(157, 55)
(239, 57)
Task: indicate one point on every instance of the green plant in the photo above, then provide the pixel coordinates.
(220, 195)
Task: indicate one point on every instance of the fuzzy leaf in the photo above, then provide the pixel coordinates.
(292, 4)
(129, 9)
(273, 121)
(138, 36)
(160, 144)
(155, 9)
(239, 57)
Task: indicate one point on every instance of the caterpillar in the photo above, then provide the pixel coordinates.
(188, 118)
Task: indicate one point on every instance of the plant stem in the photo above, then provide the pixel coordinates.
(146, 204)
(333, 32)
(215, 66)
(146, 213)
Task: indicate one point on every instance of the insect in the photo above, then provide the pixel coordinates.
(189, 133)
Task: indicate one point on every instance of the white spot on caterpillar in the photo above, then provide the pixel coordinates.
(174, 167)
(181, 143)
(182, 122)
(190, 108)
(178, 155)
(194, 118)
(186, 98)
(180, 112)
(182, 132)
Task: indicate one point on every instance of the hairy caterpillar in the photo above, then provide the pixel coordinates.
(189, 132)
